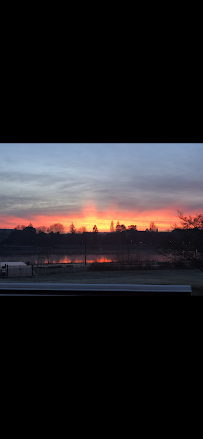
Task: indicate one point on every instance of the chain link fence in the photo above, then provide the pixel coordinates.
(37, 270)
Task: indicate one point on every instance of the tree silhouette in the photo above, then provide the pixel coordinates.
(56, 228)
(152, 227)
(189, 222)
(111, 227)
(132, 228)
(95, 229)
(41, 229)
(72, 229)
(187, 240)
(82, 230)
(120, 227)
(20, 227)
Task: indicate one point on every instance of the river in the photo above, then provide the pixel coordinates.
(79, 258)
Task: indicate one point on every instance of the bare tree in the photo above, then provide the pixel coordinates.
(189, 222)
(82, 230)
(112, 227)
(187, 240)
(132, 228)
(20, 227)
(153, 227)
(120, 228)
(72, 229)
(56, 228)
(41, 229)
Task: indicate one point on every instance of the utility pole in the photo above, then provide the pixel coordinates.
(85, 250)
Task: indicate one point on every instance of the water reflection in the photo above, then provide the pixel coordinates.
(80, 259)
(75, 259)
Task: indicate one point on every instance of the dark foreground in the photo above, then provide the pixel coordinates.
(191, 277)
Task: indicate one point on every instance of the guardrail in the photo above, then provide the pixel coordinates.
(50, 289)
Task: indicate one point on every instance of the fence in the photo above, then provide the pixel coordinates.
(44, 270)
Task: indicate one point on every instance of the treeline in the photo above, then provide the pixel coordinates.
(59, 228)
(189, 237)
(29, 236)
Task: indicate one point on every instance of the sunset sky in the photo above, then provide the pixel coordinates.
(91, 184)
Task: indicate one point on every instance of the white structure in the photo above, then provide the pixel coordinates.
(15, 269)
(13, 264)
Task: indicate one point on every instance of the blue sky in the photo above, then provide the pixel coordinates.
(58, 181)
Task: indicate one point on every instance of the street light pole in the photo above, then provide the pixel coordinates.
(85, 250)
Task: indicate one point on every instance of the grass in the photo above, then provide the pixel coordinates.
(191, 277)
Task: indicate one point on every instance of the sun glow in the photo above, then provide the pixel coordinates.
(90, 216)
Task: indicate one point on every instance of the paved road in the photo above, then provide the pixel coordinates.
(17, 288)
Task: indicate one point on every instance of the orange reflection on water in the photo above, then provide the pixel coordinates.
(101, 259)
(80, 260)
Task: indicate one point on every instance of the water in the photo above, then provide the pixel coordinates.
(78, 258)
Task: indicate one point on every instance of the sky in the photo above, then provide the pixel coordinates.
(90, 184)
